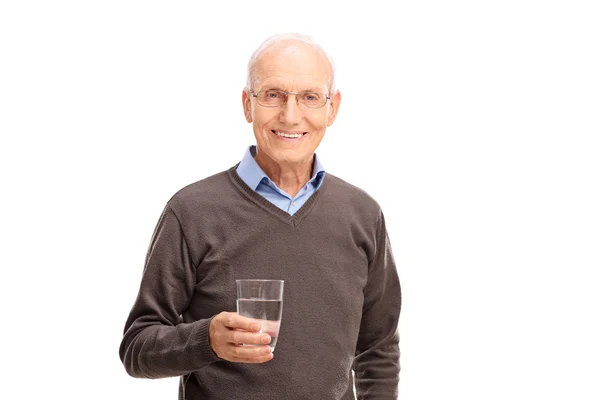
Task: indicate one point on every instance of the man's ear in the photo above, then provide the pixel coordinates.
(334, 106)
(247, 103)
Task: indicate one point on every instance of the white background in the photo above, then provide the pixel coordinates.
(474, 124)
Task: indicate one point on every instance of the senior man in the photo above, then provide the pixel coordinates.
(275, 215)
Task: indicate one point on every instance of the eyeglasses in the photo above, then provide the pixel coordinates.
(276, 98)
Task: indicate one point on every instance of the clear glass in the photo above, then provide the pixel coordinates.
(262, 299)
(276, 98)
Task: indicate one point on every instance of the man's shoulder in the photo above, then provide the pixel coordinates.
(213, 188)
(350, 196)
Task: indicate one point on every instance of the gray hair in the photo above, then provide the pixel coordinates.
(281, 37)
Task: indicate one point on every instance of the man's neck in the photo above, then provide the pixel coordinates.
(288, 177)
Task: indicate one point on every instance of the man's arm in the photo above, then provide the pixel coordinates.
(377, 361)
(155, 344)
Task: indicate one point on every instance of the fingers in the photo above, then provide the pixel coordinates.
(242, 337)
(255, 353)
(228, 333)
(256, 360)
(234, 320)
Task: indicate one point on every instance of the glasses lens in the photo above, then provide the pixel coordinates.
(275, 98)
(271, 98)
(311, 99)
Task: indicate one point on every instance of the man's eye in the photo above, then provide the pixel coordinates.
(273, 95)
(312, 97)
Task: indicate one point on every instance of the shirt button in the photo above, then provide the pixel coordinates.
(293, 203)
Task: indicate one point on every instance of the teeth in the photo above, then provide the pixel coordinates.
(289, 135)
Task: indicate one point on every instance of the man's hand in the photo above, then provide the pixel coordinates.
(228, 331)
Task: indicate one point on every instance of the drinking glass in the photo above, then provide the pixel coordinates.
(261, 299)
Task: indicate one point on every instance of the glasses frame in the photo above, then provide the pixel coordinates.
(255, 95)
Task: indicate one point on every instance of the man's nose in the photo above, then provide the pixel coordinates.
(291, 114)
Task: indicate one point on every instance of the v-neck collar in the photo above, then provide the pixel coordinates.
(252, 174)
(247, 191)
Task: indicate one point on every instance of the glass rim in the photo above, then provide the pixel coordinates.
(298, 101)
(259, 280)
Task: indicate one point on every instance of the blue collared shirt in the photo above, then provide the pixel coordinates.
(255, 177)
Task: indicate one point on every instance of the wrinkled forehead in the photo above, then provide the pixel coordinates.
(293, 68)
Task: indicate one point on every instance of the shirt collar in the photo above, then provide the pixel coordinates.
(252, 174)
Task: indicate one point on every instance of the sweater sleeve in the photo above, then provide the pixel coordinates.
(156, 343)
(377, 360)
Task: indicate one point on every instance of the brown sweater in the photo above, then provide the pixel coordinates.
(341, 300)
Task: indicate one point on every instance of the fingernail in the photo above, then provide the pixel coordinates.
(255, 327)
(266, 339)
(268, 350)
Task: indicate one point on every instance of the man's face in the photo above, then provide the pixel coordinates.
(294, 67)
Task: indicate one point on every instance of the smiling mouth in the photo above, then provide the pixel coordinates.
(289, 135)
